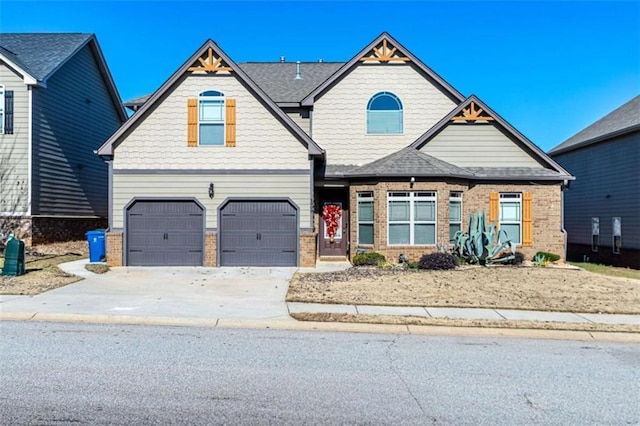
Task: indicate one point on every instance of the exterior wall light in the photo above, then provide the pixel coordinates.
(211, 191)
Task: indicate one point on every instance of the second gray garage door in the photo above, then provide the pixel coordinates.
(258, 233)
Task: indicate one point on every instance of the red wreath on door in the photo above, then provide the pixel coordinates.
(331, 214)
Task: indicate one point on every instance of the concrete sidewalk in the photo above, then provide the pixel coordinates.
(251, 297)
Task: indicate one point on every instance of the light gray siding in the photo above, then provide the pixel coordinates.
(477, 145)
(301, 117)
(72, 117)
(14, 149)
(294, 186)
(607, 185)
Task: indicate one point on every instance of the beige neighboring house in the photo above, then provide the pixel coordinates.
(285, 164)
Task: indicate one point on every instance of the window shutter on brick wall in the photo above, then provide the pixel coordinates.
(192, 122)
(8, 112)
(230, 122)
(527, 219)
(493, 207)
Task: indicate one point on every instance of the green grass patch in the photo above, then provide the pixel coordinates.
(611, 271)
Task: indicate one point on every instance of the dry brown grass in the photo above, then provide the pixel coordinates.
(41, 268)
(447, 322)
(528, 288)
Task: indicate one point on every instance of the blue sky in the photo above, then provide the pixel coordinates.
(549, 68)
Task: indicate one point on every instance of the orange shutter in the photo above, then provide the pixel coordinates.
(527, 219)
(493, 207)
(192, 122)
(230, 122)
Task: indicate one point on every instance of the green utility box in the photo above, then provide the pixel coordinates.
(13, 258)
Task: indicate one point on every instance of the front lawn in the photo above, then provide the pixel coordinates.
(611, 271)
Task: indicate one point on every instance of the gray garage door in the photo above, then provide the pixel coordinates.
(165, 233)
(258, 233)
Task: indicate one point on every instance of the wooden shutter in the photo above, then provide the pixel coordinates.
(493, 206)
(230, 122)
(8, 112)
(527, 219)
(192, 122)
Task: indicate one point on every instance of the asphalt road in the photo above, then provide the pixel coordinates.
(56, 374)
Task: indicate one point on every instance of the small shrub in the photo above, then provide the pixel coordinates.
(549, 257)
(540, 260)
(412, 265)
(437, 261)
(383, 264)
(368, 259)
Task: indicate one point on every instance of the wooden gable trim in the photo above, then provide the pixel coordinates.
(209, 63)
(383, 53)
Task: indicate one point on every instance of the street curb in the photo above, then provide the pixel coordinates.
(327, 326)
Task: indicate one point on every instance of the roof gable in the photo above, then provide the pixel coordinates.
(474, 110)
(210, 58)
(384, 49)
(622, 120)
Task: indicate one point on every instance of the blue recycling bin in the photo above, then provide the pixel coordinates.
(97, 248)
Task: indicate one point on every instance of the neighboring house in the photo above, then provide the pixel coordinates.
(283, 163)
(58, 104)
(602, 207)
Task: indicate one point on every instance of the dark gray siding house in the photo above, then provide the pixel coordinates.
(602, 206)
(65, 105)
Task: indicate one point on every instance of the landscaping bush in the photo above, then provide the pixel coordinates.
(412, 265)
(549, 257)
(437, 261)
(368, 259)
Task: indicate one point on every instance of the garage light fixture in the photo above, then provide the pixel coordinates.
(211, 191)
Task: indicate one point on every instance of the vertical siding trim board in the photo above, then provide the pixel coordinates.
(30, 151)
(110, 190)
(249, 199)
(125, 259)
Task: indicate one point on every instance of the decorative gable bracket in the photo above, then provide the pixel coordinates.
(471, 114)
(383, 53)
(209, 63)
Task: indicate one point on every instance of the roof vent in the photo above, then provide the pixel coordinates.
(320, 60)
(282, 59)
(298, 75)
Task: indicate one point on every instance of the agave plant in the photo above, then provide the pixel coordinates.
(481, 244)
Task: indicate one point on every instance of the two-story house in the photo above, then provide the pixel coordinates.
(285, 163)
(58, 104)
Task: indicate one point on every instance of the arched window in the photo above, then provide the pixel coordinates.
(211, 117)
(384, 114)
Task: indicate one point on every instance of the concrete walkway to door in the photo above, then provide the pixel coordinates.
(239, 293)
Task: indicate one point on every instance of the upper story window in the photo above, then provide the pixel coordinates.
(384, 114)
(211, 118)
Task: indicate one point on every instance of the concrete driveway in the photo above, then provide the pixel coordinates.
(206, 293)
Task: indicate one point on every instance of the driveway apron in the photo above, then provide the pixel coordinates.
(244, 293)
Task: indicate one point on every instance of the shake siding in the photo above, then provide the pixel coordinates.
(607, 185)
(477, 145)
(339, 116)
(72, 117)
(296, 187)
(14, 149)
(159, 141)
(301, 118)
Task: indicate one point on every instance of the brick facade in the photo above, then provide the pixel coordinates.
(211, 249)
(547, 234)
(308, 249)
(113, 241)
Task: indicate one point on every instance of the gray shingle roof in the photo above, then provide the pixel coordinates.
(277, 79)
(623, 119)
(41, 53)
(515, 173)
(409, 162)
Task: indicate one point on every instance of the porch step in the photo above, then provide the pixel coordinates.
(333, 259)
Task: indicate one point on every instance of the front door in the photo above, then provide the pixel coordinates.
(334, 222)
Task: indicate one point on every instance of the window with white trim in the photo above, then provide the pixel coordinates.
(595, 233)
(411, 218)
(384, 114)
(1, 109)
(365, 218)
(211, 110)
(511, 215)
(455, 213)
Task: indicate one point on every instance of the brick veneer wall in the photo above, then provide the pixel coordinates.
(211, 249)
(308, 249)
(547, 235)
(113, 241)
